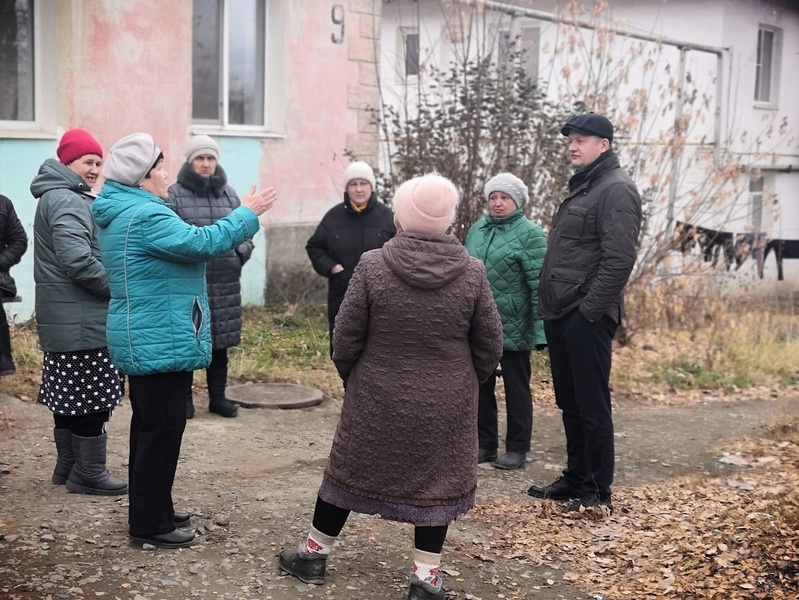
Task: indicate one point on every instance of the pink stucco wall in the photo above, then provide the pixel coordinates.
(129, 69)
(126, 67)
(318, 117)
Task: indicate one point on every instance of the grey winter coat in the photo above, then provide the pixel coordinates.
(416, 333)
(71, 286)
(592, 244)
(202, 201)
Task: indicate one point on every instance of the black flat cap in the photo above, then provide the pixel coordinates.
(590, 123)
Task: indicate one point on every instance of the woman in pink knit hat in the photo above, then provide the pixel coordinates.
(79, 383)
(416, 333)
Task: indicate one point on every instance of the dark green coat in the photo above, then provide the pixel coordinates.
(512, 249)
(71, 286)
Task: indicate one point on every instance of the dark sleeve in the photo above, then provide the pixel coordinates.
(14, 242)
(318, 252)
(243, 251)
(485, 333)
(619, 222)
(352, 324)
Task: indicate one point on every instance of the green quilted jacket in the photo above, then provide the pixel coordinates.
(512, 249)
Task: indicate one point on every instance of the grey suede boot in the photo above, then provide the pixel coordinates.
(217, 382)
(89, 475)
(66, 458)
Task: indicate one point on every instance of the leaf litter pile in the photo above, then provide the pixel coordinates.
(721, 539)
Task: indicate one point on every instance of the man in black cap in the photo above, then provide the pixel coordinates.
(590, 255)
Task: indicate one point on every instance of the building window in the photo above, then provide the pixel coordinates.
(17, 72)
(410, 40)
(526, 44)
(766, 68)
(229, 63)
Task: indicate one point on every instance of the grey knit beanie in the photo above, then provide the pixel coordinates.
(199, 145)
(131, 158)
(509, 184)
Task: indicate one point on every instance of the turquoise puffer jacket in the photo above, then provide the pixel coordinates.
(512, 249)
(158, 318)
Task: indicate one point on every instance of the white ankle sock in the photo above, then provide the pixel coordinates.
(319, 542)
(426, 565)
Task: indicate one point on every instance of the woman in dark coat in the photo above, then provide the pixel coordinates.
(417, 331)
(13, 244)
(201, 197)
(349, 229)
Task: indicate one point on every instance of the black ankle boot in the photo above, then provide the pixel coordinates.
(217, 382)
(308, 567)
(66, 458)
(88, 474)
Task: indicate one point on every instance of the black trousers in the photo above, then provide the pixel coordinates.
(516, 372)
(580, 357)
(156, 432)
(330, 519)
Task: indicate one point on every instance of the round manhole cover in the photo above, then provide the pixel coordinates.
(274, 395)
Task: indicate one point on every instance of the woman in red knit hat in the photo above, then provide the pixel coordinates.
(79, 383)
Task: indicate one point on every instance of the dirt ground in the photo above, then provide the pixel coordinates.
(251, 483)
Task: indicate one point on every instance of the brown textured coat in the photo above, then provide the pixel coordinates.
(416, 333)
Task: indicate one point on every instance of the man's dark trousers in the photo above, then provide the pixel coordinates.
(580, 357)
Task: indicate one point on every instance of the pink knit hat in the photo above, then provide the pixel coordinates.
(425, 204)
(76, 143)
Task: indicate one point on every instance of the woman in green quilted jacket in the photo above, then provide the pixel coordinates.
(512, 248)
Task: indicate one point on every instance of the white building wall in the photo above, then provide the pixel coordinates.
(751, 133)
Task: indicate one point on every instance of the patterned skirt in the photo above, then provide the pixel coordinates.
(79, 382)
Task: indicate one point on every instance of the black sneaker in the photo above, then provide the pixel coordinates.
(589, 501)
(560, 489)
(308, 567)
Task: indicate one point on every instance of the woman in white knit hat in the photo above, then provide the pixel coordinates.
(415, 335)
(512, 248)
(349, 229)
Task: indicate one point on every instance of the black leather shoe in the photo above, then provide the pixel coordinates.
(486, 456)
(173, 539)
(181, 519)
(560, 489)
(511, 460)
(589, 501)
(308, 568)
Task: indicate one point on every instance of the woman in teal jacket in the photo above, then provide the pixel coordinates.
(512, 248)
(158, 327)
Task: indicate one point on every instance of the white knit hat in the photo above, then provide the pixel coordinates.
(359, 170)
(425, 204)
(131, 158)
(509, 184)
(199, 145)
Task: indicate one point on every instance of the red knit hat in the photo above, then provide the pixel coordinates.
(76, 143)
